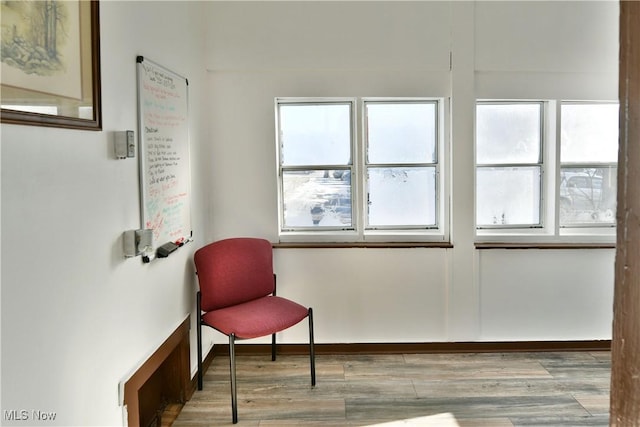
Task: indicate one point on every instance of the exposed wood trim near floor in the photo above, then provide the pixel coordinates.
(171, 411)
(163, 378)
(395, 348)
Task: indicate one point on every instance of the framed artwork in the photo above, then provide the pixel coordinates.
(51, 63)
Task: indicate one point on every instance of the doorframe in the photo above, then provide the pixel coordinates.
(625, 349)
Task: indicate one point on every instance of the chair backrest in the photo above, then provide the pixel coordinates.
(233, 271)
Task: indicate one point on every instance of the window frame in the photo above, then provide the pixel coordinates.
(367, 165)
(551, 232)
(282, 169)
(541, 164)
(358, 233)
(569, 229)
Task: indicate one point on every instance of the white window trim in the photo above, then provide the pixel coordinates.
(439, 234)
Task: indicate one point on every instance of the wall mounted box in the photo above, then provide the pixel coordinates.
(137, 242)
(124, 144)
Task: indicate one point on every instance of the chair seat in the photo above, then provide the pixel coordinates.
(257, 318)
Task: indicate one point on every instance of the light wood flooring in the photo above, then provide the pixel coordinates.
(463, 389)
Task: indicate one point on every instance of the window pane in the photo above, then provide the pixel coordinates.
(587, 195)
(589, 133)
(402, 196)
(508, 133)
(401, 132)
(317, 198)
(508, 196)
(315, 134)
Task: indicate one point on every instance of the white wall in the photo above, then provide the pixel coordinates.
(556, 49)
(257, 51)
(567, 295)
(77, 317)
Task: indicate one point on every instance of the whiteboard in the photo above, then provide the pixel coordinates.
(163, 140)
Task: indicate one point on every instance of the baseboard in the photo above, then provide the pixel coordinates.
(431, 347)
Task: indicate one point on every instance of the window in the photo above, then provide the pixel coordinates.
(588, 171)
(509, 164)
(316, 152)
(380, 181)
(559, 181)
(401, 164)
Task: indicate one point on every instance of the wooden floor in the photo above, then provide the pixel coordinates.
(470, 389)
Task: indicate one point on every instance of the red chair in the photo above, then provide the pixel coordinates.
(238, 298)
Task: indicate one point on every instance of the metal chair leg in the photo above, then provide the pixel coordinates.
(232, 367)
(312, 354)
(199, 331)
(273, 336)
(273, 347)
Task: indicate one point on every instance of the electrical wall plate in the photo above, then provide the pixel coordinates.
(124, 144)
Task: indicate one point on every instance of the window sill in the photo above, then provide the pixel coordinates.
(514, 245)
(303, 245)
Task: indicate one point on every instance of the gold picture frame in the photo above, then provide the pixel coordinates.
(51, 63)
